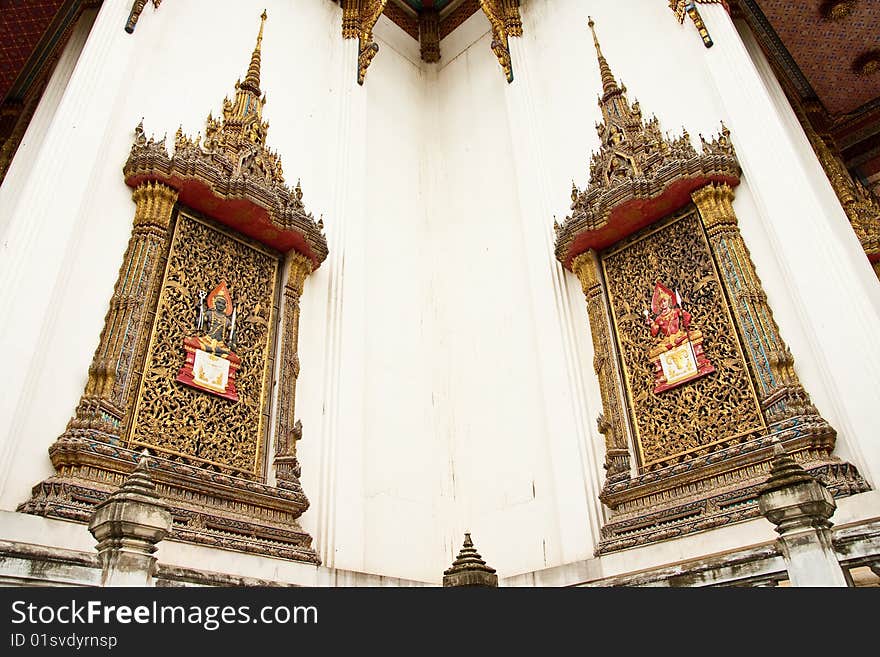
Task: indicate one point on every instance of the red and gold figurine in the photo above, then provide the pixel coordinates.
(211, 362)
(678, 355)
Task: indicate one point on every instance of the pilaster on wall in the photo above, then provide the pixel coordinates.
(288, 429)
(53, 208)
(570, 422)
(832, 285)
(341, 433)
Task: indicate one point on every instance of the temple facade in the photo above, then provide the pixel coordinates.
(308, 291)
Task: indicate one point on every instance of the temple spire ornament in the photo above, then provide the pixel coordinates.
(632, 174)
(252, 79)
(243, 119)
(234, 161)
(609, 84)
(801, 509)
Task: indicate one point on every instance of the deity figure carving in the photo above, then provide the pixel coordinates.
(211, 362)
(620, 169)
(678, 355)
(214, 320)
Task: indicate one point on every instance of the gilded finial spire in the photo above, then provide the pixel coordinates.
(252, 80)
(609, 84)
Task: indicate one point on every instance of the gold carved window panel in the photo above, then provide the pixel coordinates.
(190, 425)
(703, 415)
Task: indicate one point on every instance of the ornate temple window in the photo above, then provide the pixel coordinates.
(695, 379)
(220, 248)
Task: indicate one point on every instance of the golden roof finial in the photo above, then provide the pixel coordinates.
(252, 79)
(609, 84)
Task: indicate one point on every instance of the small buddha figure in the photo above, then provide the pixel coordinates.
(216, 321)
(211, 362)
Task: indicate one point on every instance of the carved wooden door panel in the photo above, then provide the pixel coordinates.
(703, 415)
(192, 425)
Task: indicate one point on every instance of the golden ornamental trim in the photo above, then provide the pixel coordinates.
(689, 8)
(837, 10)
(134, 15)
(506, 22)
(861, 206)
(289, 430)
(359, 17)
(611, 422)
(782, 395)
(429, 35)
(112, 376)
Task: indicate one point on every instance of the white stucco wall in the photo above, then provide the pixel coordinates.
(447, 381)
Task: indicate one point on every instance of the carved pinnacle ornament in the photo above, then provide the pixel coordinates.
(469, 568)
(235, 163)
(637, 173)
(609, 84)
(127, 526)
(801, 509)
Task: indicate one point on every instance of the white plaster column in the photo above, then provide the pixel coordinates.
(570, 424)
(833, 287)
(339, 501)
(52, 205)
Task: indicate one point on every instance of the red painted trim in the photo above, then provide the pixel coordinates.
(636, 214)
(241, 215)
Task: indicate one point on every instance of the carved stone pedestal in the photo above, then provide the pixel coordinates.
(127, 526)
(209, 508)
(469, 568)
(801, 509)
(711, 491)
